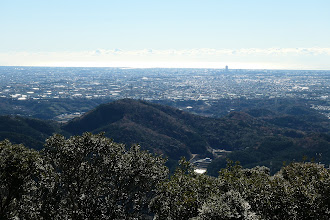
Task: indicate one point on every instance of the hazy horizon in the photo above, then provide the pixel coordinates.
(166, 67)
(253, 34)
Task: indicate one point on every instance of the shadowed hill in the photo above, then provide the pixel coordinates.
(30, 132)
(175, 133)
(157, 128)
(255, 137)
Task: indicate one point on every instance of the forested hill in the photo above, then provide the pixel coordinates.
(167, 130)
(158, 128)
(254, 139)
(255, 136)
(27, 131)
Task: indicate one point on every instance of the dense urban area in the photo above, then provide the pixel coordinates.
(45, 83)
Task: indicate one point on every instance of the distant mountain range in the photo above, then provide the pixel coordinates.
(256, 136)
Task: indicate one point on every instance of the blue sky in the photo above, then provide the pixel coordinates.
(288, 34)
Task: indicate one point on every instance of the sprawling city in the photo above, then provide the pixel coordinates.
(46, 83)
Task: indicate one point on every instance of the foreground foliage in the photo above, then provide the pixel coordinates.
(298, 191)
(91, 177)
(22, 173)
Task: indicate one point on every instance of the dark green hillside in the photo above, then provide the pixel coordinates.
(131, 121)
(254, 137)
(276, 150)
(233, 132)
(279, 111)
(236, 131)
(294, 116)
(289, 133)
(27, 131)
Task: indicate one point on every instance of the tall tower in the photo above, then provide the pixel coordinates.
(226, 69)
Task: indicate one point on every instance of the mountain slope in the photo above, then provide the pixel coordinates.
(30, 132)
(253, 138)
(175, 133)
(131, 121)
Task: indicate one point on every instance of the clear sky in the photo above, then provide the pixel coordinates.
(284, 34)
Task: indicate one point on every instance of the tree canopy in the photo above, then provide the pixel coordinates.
(92, 177)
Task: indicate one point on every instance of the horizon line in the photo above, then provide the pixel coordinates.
(145, 67)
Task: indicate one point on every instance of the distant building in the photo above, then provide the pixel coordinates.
(220, 152)
(201, 165)
(226, 69)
